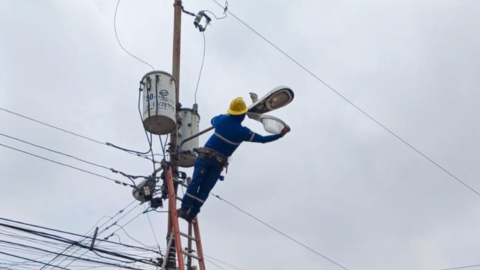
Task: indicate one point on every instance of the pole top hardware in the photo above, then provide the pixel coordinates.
(199, 18)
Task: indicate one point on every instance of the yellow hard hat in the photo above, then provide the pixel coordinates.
(237, 107)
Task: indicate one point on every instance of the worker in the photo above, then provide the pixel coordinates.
(229, 134)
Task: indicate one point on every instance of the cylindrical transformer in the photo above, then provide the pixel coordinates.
(189, 127)
(159, 102)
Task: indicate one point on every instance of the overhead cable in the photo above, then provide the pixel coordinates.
(96, 250)
(230, 265)
(353, 104)
(102, 231)
(122, 226)
(216, 265)
(64, 255)
(153, 231)
(83, 238)
(116, 221)
(201, 67)
(48, 125)
(132, 152)
(462, 267)
(73, 234)
(131, 177)
(149, 138)
(133, 239)
(70, 166)
(120, 43)
(56, 152)
(31, 260)
(225, 9)
(280, 232)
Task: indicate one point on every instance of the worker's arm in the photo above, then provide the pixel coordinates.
(263, 139)
(254, 137)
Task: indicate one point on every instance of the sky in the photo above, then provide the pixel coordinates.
(339, 182)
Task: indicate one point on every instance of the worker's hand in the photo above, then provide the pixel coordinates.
(284, 131)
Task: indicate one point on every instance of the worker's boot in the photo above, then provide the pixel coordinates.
(183, 214)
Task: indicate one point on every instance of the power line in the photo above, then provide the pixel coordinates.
(54, 127)
(153, 231)
(122, 226)
(225, 8)
(108, 227)
(120, 43)
(131, 177)
(462, 267)
(129, 236)
(149, 139)
(31, 260)
(96, 250)
(132, 152)
(352, 104)
(66, 165)
(163, 145)
(59, 254)
(233, 266)
(56, 152)
(72, 234)
(24, 238)
(280, 232)
(116, 221)
(216, 265)
(201, 67)
(83, 238)
(118, 213)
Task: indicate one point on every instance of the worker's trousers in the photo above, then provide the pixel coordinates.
(205, 176)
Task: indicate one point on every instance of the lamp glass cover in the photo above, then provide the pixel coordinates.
(278, 100)
(272, 125)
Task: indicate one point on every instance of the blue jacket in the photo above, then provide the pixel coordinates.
(229, 134)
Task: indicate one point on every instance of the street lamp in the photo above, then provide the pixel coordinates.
(277, 98)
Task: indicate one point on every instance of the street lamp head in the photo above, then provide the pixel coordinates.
(275, 99)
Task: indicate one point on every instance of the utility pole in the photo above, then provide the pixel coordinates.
(177, 28)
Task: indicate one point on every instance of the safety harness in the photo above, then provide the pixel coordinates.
(210, 153)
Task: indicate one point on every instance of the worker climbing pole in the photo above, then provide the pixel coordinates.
(213, 158)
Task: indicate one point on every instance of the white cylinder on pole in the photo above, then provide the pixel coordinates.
(159, 102)
(190, 126)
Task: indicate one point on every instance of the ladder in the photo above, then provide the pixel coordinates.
(176, 234)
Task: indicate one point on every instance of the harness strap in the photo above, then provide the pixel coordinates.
(225, 139)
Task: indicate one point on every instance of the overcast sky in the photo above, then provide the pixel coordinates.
(339, 183)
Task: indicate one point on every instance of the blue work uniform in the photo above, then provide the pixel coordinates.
(229, 134)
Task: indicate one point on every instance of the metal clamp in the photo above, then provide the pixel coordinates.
(198, 19)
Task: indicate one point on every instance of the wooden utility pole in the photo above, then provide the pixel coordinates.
(177, 28)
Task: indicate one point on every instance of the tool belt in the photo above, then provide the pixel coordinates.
(210, 153)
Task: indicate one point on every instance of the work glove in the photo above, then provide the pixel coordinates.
(284, 131)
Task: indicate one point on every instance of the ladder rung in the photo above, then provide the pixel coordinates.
(188, 236)
(191, 255)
